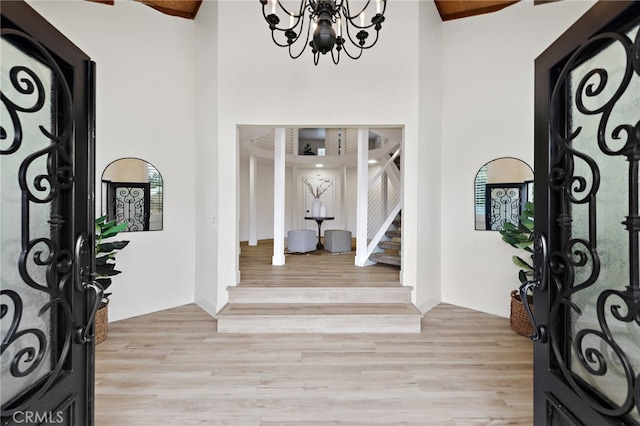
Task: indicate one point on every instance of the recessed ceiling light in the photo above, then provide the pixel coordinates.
(373, 161)
(319, 165)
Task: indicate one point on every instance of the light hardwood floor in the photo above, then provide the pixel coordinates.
(310, 269)
(318, 292)
(172, 368)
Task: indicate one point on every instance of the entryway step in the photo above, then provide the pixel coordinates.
(319, 318)
(319, 295)
(390, 245)
(390, 259)
(393, 233)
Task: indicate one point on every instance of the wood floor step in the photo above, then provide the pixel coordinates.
(319, 295)
(393, 233)
(389, 259)
(390, 245)
(319, 318)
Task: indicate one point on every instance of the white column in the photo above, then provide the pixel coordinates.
(295, 218)
(296, 142)
(253, 202)
(278, 196)
(295, 204)
(343, 198)
(362, 196)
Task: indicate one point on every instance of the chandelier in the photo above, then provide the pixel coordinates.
(329, 27)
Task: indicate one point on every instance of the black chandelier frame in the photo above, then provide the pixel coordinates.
(321, 16)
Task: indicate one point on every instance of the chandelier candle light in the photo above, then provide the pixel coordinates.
(318, 26)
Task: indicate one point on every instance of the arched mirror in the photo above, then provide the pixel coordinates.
(502, 187)
(132, 193)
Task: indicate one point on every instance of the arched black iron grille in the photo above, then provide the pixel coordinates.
(34, 356)
(593, 178)
(131, 204)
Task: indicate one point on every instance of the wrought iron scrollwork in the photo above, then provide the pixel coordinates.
(504, 204)
(132, 205)
(29, 356)
(576, 266)
(43, 252)
(26, 85)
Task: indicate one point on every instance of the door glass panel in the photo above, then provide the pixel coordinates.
(26, 318)
(505, 205)
(132, 206)
(597, 227)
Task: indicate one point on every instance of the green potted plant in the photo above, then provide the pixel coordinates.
(521, 236)
(105, 255)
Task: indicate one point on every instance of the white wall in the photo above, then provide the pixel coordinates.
(351, 200)
(426, 150)
(463, 93)
(264, 195)
(207, 221)
(263, 86)
(488, 84)
(145, 109)
(264, 199)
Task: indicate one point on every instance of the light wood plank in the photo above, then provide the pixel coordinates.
(172, 367)
(319, 269)
(319, 309)
(315, 293)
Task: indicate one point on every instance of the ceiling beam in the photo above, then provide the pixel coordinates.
(183, 8)
(448, 9)
(456, 9)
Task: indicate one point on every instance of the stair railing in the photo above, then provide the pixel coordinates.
(384, 201)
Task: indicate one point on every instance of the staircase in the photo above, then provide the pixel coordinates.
(388, 249)
(316, 294)
(384, 202)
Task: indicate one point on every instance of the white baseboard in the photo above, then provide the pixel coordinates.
(118, 312)
(243, 238)
(207, 305)
(426, 306)
(498, 308)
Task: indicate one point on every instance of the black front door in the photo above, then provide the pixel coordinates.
(46, 223)
(587, 151)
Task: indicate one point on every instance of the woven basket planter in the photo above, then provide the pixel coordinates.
(520, 322)
(102, 322)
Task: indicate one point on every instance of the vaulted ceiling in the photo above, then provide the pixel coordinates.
(448, 9)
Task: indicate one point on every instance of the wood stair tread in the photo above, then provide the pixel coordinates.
(316, 293)
(382, 257)
(390, 245)
(391, 254)
(260, 309)
(319, 295)
(393, 233)
(310, 287)
(317, 285)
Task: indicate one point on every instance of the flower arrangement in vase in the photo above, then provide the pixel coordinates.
(317, 209)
